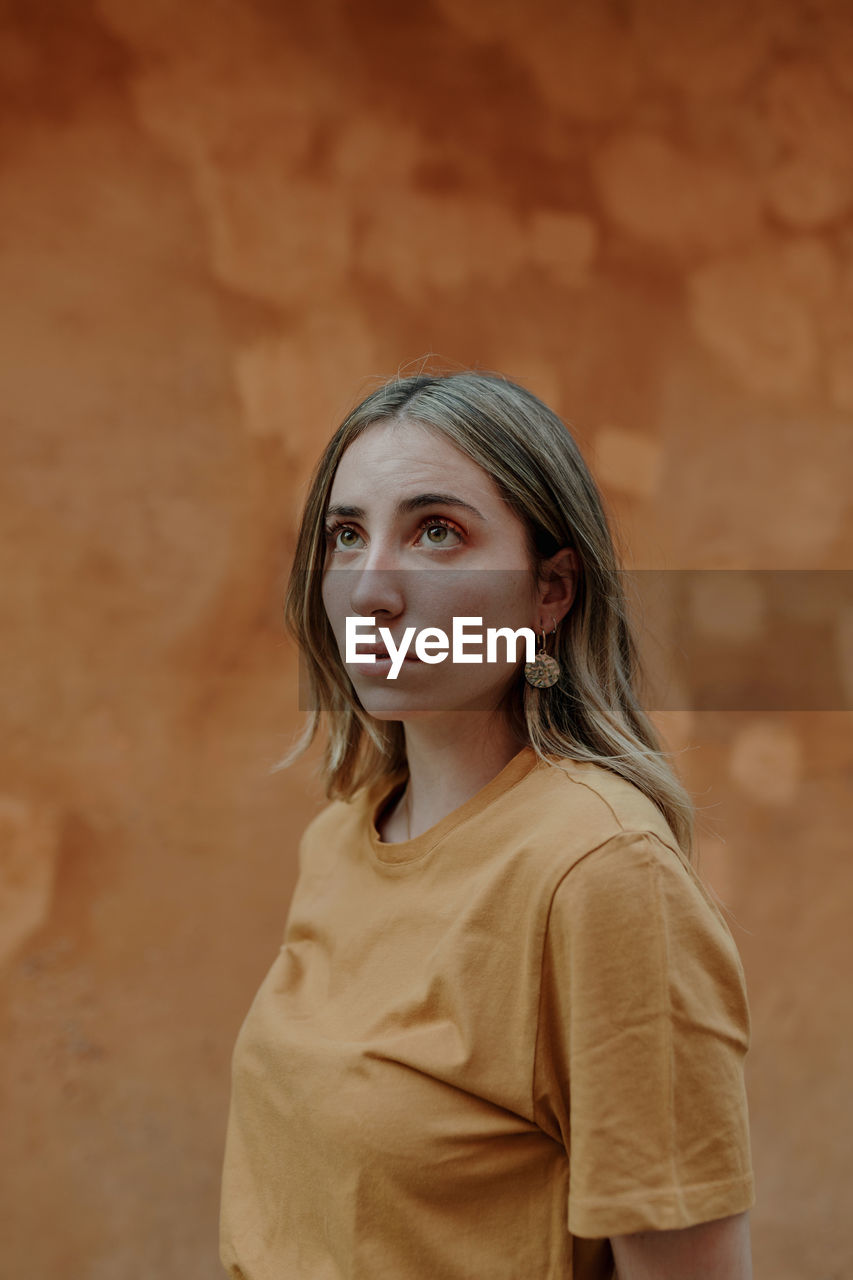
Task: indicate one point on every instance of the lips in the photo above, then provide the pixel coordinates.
(379, 651)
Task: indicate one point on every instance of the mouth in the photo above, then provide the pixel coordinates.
(379, 651)
(381, 656)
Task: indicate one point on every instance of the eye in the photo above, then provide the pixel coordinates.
(334, 531)
(439, 522)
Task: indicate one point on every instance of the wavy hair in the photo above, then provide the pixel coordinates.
(593, 713)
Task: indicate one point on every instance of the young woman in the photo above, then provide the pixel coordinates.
(504, 1037)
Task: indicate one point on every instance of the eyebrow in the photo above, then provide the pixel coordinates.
(410, 504)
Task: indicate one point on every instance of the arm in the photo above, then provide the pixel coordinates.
(718, 1250)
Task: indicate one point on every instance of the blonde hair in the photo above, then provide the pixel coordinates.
(593, 712)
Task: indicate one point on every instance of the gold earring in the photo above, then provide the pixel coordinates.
(545, 671)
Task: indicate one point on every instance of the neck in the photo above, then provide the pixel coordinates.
(449, 764)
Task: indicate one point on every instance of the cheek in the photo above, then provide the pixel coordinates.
(500, 598)
(504, 607)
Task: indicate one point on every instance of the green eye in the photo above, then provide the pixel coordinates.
(431, 523)
(446, 526)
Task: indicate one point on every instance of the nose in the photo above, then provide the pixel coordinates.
(376, 591)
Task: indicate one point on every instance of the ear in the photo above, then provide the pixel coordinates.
(560, 574)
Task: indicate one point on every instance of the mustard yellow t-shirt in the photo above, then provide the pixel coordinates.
(481, 1052)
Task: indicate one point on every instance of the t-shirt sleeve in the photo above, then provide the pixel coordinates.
(643, 1030)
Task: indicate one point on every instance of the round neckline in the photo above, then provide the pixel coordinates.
(399, 852)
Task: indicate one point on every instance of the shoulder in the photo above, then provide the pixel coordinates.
(634, 898)
(608, 838)
(576, 807)
(330, 829)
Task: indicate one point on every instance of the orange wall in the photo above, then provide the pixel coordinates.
(219, 221)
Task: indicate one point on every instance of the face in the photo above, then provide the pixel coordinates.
(463, 554)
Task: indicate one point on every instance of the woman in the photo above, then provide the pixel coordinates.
(504, 1037)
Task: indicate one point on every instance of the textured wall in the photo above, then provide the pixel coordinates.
(218, 221)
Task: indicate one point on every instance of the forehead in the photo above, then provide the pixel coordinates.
(406, 454)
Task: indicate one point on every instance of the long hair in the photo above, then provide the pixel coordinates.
(593, 713)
